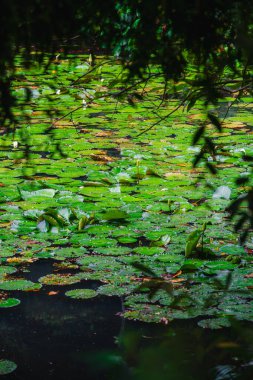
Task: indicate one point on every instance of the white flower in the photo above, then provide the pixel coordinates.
(84, 104)
(115, 189)
(58, 92)
(222, 192)
(15, 144)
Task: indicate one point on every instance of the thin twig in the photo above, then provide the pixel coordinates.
(166, 116)
(90, 71)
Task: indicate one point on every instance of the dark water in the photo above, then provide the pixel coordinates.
(55, 337)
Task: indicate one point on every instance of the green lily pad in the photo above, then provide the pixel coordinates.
(24, 285)
(81, 293)
(45, 193)
(7, 366)
(116, 289)
(113, 251)
(233, 250)
(191, 265)
(9, 302)
(171, 258)
(59, 279)
(115, 215)
(127, 239)
(7, 270)
(149, 251)
(220, 265)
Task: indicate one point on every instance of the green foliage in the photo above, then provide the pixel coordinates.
(24, 285)
(140, 33)
(7, 366)
(82, 294)
(59, 279)
(9, 302)
(193, 240)
(115, 215)
(85, 221)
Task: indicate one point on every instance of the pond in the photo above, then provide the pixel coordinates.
(99, 211)
(55, 337)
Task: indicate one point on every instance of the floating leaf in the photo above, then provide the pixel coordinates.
(115, 215)
(149, 251)
(47, 193)
(7, 366)
(9, 302)
(81, 293)
(59, 279)
(171, 258)
(127, 240)
(7, 270)
(113, 251)
(220, 265)
(24, 285)
(115, 290)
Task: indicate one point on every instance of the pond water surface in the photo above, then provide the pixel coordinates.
(89, 201)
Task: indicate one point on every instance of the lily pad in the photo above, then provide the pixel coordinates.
(59, 279)
(149, 251)
(116, 289)
(7, 270)
(81, 293)
(46, 193)
(115, 215)
(9, 302)
(127, 240)
(171, 258)
(24, 285)
(7, 366)
(113, 251)
(220, 265)
(233, 250)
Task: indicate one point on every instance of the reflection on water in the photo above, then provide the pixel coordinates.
(180, 352)
(51, 337)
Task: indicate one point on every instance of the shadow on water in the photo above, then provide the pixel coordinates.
(55, 337)
(49, 336)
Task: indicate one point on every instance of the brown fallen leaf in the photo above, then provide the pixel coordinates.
(83, 130)
(250, 275)
(52, 293)
(174, 174)
(178, 273)
(20, 260)
(104, 133)
(102, 158)
(3, 225)
(176, 280)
